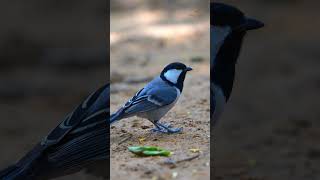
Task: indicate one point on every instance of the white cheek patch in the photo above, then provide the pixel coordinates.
(218, 34)
(173, 75)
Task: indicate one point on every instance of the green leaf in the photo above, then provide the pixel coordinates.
(157, 153)
(149, 151)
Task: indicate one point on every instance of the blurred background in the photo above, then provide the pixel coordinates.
(144, 37)
(271, 127)
(53, 54)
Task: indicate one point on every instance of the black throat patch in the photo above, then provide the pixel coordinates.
(223, 72)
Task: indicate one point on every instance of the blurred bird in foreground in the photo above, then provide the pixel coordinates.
(80, 142)
(228, 26)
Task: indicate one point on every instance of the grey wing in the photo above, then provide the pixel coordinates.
(153, 99)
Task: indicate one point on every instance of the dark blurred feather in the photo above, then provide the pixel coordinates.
(79, 142)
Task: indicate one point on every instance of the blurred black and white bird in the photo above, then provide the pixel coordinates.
(156, 98)
(228, 26)
(79, 142)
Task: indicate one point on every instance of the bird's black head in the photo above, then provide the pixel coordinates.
(228, 27)
(225, 15)
(175, 74)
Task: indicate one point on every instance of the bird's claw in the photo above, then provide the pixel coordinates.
(166, 125)
(166, 128)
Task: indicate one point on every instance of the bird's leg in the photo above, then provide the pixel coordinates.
(158, 128)
(165, 128)
(169, 128)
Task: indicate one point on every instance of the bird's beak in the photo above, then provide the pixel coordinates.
(252, 24)
(188, 69)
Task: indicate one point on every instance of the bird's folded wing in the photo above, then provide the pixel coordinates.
(153, 99)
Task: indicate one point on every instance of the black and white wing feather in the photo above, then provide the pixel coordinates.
(76, 143)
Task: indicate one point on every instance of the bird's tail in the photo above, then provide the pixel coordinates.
(116, 116)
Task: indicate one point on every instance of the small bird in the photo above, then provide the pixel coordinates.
(228, 26)
(79, 142)
(154, 100)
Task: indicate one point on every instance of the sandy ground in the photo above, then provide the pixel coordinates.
(136, 57)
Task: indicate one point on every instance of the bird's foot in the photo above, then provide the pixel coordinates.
(159, 129)
(166, 128)
(165, 125)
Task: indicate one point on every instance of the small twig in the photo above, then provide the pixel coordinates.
(188, 158)
(172, 163)
(125, 139)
